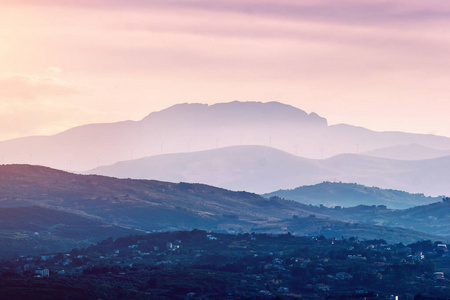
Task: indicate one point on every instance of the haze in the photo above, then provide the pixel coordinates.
(381, 65)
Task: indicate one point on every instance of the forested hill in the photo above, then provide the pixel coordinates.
(162, 206)
(352, 194)
(146, 204)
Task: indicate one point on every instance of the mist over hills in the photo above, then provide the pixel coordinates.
(408, 152)
(161, 206)
(241, 146)
(262, 169)
(196, 127)
(251, 168)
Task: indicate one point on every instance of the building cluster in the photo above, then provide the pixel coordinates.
(264, 265)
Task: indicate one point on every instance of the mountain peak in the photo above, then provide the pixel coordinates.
(238, 111)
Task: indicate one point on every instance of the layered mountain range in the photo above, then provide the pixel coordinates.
(262, 169)
(144, 204)
(208, 153)
(196, 127)
(60, 206)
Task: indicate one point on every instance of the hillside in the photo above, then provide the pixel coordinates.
(334, 228)
(211, 265)
(432, 218)
(262, 169)
(197, 127)
(29, 230)
(153, 205)
(150, 205)
(352, 194)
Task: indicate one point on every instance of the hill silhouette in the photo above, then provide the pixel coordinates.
(197, 127)
(352, 194)
(263, 169)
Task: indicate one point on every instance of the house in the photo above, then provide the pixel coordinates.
(439, 275)
(211, 238)
(442, 247)
(42, 273)
(265, 293)
(418, 256)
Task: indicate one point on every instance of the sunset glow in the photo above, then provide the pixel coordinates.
(375, 64)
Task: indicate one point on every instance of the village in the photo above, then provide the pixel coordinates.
(205, 265)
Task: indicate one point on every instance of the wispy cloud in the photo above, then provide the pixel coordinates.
(37, 104)
(342, 11)
(23, 86)
(387, 58)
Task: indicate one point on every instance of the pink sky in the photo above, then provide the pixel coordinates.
(378, 64)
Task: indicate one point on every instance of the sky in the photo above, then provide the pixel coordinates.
(379, 64)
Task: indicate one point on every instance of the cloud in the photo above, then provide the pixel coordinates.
(31, 104)
(33, 87)
(142, 55)
(342, 11)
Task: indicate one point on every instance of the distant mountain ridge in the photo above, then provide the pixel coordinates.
(233, 112)
(250, 168)
(197, 127)
(262, 169)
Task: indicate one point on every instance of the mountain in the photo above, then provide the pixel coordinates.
(262, 169)
(197, 127)
(352, 194)
(148, 205)
(251, 168)
(408, 152)
(421, 176)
